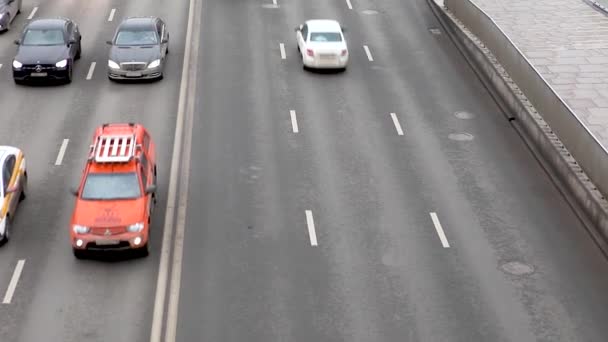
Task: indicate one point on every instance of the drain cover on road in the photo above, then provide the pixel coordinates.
(464, 115)
(517, 268)
(461, 136)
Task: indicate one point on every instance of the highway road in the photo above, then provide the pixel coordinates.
(391, 202)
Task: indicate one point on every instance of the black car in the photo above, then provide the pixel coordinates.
(8, 11)
(47, 50)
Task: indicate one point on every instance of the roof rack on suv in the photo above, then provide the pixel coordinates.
(114, 148)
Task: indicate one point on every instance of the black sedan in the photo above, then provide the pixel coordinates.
(8, 11)
(47, 50)
(139, 49)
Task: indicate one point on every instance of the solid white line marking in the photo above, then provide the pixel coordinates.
(282, 47)
(294, 121)
(397, 124)
(368, 53)
(0, 65)
(439, 229)
(184, 113)
(311, 228)
(91, 70)
(34, 10)
(14, 280)
(64, 146)
(112, 12)
(350, 6)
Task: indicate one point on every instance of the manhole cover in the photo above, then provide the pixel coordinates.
(369, 12)
(517, 268)
(461, 136)
(464, 115)
(270, 6)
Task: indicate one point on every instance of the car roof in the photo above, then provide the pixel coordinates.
(323, 25)
(117, 129)
(47, 23)
(138, 22)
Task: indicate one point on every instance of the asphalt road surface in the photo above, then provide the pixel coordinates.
(404, 208)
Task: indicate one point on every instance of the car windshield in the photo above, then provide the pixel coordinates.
(109, 186)
(325, 37)
(135, 37)
(43, 37)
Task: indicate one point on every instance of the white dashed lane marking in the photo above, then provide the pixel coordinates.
(91, 70)
(439, 229)
(111, 16)
(397, 124)
(12, 286)
(350, 6)
(64, 146)
(282, 48)
(34, 10)
(368, 53)
(294, 121)
(311, 228)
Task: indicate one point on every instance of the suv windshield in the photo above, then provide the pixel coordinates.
(325, 37)
(107, 186)
(139, 37)
(43, 37)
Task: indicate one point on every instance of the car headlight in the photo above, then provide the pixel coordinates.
(113, 65)
(17, 64)
(78, 229)
(155, 63)
(62, 63)
(135, 228)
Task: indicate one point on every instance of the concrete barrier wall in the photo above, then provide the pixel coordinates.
(587, 202)
(579, 141)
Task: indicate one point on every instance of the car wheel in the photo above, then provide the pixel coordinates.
(68, 78)
(17, 81)
(22, 195)
(79, 52)
(79, 253)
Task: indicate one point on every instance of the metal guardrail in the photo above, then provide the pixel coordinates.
(576, 137)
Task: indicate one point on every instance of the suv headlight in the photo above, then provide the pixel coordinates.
(135, 228)
(17, 64)
(155, 63)
(78, 229)
(62, 63)
(113, 65)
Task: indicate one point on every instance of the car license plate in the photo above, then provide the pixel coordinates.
(107, 242)
(38, 74)
(133, 74)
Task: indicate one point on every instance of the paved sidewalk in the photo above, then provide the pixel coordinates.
(567, 41)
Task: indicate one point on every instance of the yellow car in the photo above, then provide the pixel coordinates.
(13, 180)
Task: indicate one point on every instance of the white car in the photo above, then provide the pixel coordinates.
(322, 45)
(13, 183)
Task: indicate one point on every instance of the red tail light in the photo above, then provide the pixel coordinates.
(310, 52)
(344, 52)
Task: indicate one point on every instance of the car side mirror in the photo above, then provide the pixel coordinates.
(72, 41)
(17, 42)
(150, 189)
(109, 42)
(165, 41)
(74, 190)
(344, 30)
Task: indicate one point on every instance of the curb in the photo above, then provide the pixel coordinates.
(589, 206)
